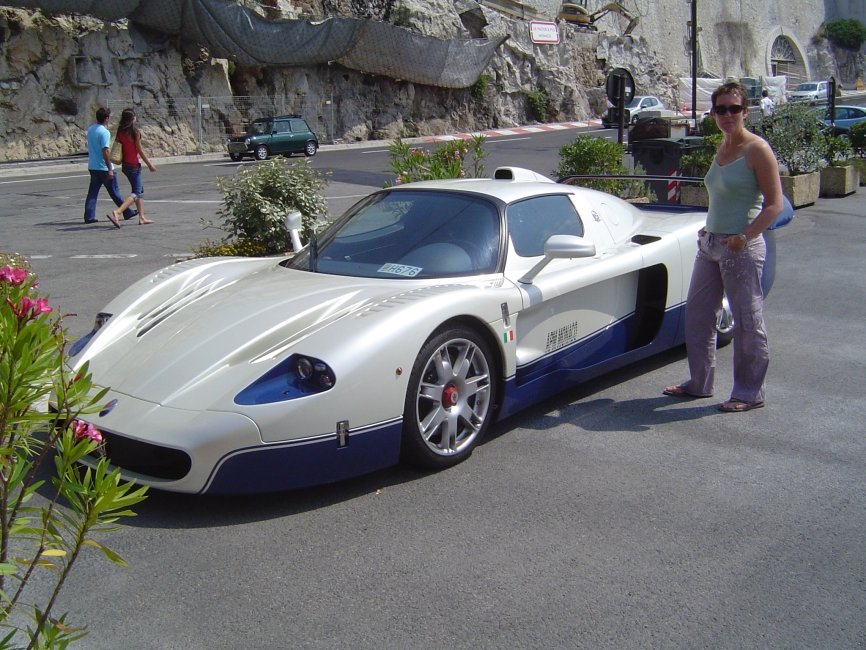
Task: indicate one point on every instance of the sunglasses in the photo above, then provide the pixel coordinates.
(723, 109)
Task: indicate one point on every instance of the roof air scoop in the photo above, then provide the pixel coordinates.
(519, 174)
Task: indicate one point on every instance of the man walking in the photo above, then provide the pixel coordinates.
(767, 104)
(100, 168)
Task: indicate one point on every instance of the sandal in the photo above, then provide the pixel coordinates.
(113, 219)
(739, 406)
(680, 391)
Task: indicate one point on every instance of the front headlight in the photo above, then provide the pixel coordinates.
(297, 376)
(247, 142)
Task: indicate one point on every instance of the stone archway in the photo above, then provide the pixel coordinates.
(785, 57)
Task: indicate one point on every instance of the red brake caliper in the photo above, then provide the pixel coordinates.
(449, 396)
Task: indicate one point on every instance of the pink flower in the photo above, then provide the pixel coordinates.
(28, 308)
(12, 275)
(82, 429)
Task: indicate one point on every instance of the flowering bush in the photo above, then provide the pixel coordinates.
(410, 164)
(46, 526)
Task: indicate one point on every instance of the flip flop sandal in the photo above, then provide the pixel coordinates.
(739, 406)
(113, 220)
(679, 391)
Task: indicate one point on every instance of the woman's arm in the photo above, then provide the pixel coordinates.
(761, 160)
(141, 153)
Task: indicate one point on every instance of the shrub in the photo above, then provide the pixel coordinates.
(479, 88)
(539, 102)
(698, 161)
(589, 155)
(847, 33)
(258, 198)
(797, 136)
(45, 527)
(857, 135)
(838, 150)
(410, 164)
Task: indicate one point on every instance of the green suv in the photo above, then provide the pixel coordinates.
(267, 136)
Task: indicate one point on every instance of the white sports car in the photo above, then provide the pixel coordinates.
(415, 320)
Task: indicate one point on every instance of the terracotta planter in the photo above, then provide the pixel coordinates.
(694, 195)
(839, 181)
(802, 189)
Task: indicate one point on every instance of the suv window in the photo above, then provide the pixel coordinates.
(282, 126)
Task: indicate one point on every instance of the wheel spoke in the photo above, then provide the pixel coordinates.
(432, 421)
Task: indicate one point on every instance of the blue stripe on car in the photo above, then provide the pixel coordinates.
(315, 461)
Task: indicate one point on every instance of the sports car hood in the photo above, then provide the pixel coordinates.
(168, 343)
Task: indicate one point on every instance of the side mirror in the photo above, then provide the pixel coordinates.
(558, 247)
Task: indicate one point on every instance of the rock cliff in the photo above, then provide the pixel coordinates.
(55, 70)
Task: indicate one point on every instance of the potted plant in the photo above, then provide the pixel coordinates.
(857, 136)
(839, 178)
(799, 140)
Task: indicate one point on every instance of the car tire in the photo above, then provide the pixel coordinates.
(261, 152)
(235, 157)
(310, 149)
(450, 398)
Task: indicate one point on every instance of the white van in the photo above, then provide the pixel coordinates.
(814, 92)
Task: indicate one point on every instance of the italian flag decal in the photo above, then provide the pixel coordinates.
(508, 336)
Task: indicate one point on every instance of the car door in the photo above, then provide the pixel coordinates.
(281, 137)
(572, 307)
(300, 134)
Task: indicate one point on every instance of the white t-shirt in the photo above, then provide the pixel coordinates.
(767, 106)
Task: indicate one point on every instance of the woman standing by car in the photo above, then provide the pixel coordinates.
(129, 137)
(745, 198)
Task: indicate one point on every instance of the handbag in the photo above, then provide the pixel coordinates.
(785, 216)
(115, 154)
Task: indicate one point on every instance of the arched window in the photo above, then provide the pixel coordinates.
(786, 59)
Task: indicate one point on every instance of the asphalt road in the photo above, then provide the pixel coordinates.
(607, 517)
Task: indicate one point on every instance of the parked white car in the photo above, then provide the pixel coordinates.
(425, 313)
(814, 92)
(634, 110)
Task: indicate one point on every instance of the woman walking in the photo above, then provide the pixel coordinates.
(129, 137)
(745, 199)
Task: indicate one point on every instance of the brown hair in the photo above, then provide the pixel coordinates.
(127, 122)
(731, 88)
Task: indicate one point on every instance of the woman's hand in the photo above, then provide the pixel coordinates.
(736, 243)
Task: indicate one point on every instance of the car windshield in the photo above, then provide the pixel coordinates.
(634, 103)
(409, 234)
(807, 87)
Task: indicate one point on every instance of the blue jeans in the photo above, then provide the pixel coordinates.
(133, 173)
(98, 180)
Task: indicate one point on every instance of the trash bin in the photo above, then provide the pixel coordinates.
(661, 157)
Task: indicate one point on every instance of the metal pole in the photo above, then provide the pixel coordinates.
(694, 36)
(200, 123)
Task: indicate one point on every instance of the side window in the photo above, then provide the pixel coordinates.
(299, 126)
(532, 221)
(282, 126)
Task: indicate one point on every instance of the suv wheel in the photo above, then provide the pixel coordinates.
(235, 157)
(262, 152)
(310, 148)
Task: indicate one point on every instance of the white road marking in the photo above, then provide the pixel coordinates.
(106, 256)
